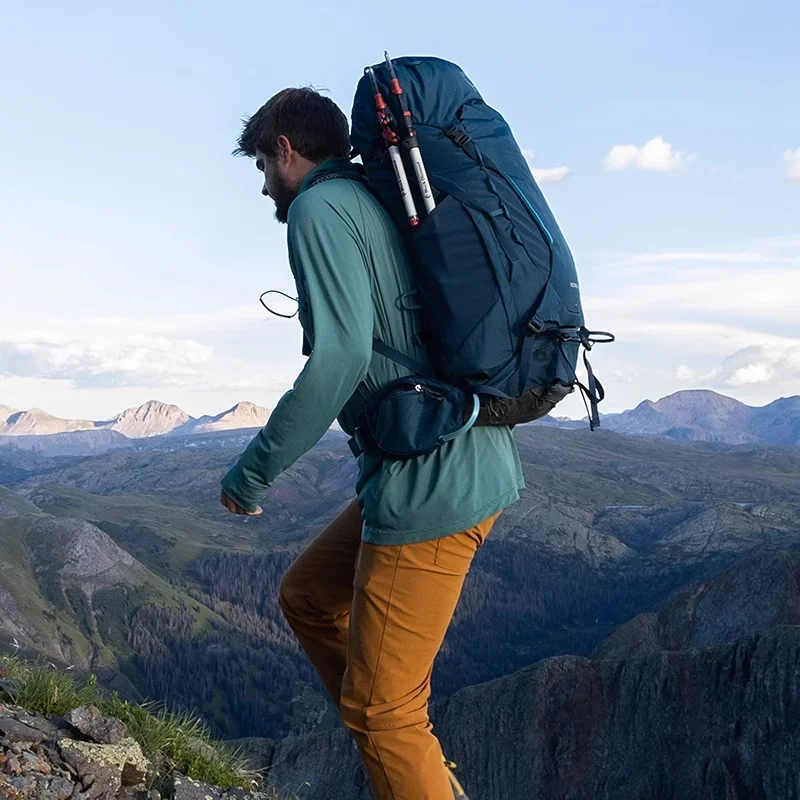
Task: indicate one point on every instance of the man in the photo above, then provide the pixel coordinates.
(371, 598)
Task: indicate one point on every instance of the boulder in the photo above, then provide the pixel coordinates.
(12, 731)
(103, 769)
(90, 721)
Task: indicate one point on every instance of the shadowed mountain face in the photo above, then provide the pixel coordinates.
(707, 705)
(5, 413)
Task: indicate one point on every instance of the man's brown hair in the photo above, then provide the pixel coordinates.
(314, 124)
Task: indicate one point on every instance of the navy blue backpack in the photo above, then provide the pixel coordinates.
(497, 284)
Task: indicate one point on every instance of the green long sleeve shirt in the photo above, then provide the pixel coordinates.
(352, 275)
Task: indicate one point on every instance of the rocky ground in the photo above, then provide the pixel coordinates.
(85, 756)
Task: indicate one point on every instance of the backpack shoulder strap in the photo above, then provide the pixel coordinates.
(383, 349)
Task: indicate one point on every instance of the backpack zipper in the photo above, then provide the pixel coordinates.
(420, 389)
(530, 207)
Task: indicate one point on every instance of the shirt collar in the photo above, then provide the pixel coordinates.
(326, 168)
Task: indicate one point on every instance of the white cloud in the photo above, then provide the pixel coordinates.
(655, 154)
(722, 319)
(551, 174)
(546, 174)
(133, 360)
(791, 164)
(225, 318)
(687, 375)
(759, 364)
(758, 282)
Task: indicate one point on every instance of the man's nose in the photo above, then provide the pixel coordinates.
(264, 191)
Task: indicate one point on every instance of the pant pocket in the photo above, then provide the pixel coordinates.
(455, 553)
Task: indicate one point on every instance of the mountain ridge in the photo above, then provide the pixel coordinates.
(153, 418)
(703, 415)
(686, 415)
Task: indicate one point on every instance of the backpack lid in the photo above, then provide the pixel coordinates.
(434, 88)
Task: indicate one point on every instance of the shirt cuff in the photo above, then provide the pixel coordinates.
(234, 485)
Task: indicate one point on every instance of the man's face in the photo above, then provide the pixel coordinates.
(276, 184)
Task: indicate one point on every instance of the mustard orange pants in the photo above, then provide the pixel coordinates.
(371, 619)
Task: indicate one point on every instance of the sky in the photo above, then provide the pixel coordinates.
(133, 247)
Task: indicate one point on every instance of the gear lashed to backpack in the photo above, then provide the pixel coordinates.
(496, 282)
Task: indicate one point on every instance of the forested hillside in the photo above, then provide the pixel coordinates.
(610, 527)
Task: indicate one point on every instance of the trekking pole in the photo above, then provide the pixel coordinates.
(392, 139)
(411, 142)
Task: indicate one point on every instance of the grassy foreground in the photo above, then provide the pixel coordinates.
(172, 741)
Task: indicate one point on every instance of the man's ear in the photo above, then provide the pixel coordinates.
(285, 149)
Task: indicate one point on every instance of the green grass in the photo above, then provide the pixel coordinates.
(179, 742)
(48, 691)
(173, 741)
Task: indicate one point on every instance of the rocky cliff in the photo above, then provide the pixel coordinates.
(700, 701)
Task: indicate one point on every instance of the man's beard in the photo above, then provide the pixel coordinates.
(283, 196)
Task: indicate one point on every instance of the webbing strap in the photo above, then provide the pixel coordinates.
(526, 361)
(416, 367)
(595, 393)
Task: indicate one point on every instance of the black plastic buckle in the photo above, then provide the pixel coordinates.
(357, 444)
(459, 136)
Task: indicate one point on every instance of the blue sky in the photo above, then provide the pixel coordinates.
(133, 248)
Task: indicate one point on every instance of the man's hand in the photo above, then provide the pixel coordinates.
(235, 508)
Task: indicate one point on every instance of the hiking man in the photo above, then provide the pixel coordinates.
(372, 596)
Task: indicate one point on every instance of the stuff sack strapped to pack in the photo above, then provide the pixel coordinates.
(496, 282)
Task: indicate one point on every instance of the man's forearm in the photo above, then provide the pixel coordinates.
(298, 422)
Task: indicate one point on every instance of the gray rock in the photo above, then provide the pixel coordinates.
(23, 784)
(90, 721)
(15, 731)
(61, 788)
(31, 761)
(40, 723)
(190, 789)
(11, 765)
(103, 769)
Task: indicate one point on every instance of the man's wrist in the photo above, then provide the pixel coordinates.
(232, 487)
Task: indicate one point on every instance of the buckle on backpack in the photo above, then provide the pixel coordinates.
(458, 135)
(357, 443)
(536, 326)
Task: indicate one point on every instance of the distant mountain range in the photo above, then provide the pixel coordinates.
(151, 419)
(693, 415)
(705, 416)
